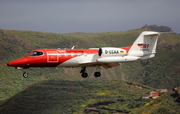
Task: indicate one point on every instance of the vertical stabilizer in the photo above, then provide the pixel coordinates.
(145, 45)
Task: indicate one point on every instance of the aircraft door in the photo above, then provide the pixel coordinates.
(52, 57)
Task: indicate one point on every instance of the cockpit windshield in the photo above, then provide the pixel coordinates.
(36, 53)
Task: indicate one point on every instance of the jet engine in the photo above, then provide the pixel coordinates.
(114, 55)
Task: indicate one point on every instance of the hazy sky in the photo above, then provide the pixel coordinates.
(64, 16)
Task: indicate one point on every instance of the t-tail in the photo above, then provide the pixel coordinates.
(144, 46)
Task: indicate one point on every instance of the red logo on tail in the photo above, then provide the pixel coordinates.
(143, 46)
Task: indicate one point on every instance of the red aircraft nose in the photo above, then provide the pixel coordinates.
(22, 62)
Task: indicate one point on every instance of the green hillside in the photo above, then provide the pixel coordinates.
(15, 44)
(162, 71)
(156, 72)
(59, 96)
(163, 105)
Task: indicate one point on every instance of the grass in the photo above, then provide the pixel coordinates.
(162, 105)
(59, 96)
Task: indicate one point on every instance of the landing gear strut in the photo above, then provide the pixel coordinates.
(25, 74)
(83, 72)
(97, 73)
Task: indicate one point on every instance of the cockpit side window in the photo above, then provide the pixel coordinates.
(36, 53)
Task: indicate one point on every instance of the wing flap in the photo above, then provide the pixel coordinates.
(106, 65)
(110, 65)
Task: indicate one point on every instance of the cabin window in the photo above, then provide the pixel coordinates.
(59, 54)
(36, 53)
(65, 54)
(85, 54)
(72, 54)
(79, 54)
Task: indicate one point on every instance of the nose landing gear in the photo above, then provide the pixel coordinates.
(25, 74)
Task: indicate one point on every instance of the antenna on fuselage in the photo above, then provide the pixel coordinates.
(73, 47)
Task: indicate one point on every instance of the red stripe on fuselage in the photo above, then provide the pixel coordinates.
(126, 48)
(63, 55)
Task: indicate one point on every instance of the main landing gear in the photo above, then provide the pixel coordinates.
(84, 73)
(97, 74)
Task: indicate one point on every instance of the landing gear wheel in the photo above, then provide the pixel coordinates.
(97, 74)
(25, 74)
(84, 75)
(83, 72)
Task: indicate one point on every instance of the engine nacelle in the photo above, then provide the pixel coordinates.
(117, 59)
(111, 51)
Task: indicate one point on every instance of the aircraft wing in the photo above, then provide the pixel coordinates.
(105, 65)
(110, 65)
